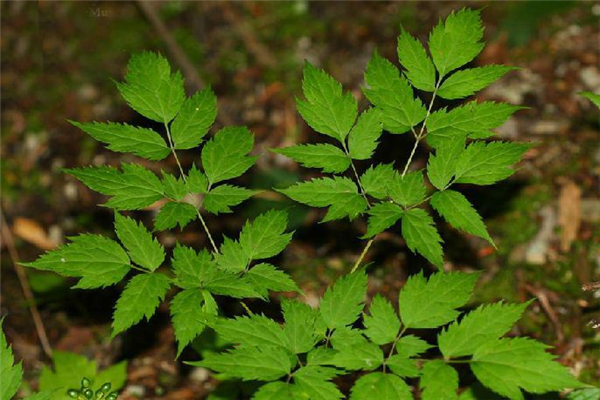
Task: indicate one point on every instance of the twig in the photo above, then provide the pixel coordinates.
(547, 307)
(35, 314)
(189, 71)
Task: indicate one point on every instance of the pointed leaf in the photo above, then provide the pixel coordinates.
(363, 138)
(194, 119)
(383, 324)
(142, 247)
(381, 217)
(225, 155)
(468, 81)
(377, 385)
(341, 304)
(220, 199)
(421, 236)
(413, 57)
(327, 157)
(172, 214)
(438, 381)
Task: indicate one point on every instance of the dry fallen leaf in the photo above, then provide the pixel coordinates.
(32, 232)
(569, 214)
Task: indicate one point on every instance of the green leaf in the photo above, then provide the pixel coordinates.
(220, 199)
(402, 366)
(44, 395)
(487, 163)
(484, 324)
(341, 304)
(383, 324)
(472, 119)
(338, 193)
(456, 41)
(142, 247)
(438, 381)
(254, 330)
(363, 138)
(250, 363)
(381, 217)
(151, 89)
(225, 155)
(413, 57)
(264, 237)
(409, 189)
(174, 213)
(442, 166)
(11, 375)
(191, 309)
(141, 297)
(197, 182)
(133, 189)
(593, 97)
(585, 394)
(300, 320)
(232, 285)
(125, 138)
(232, 256)
(193, 270)
(456, 209)
(410, 346)
(421, 236)
(312, 382)
(393, 95)
(508, 365)
(326, 109)
(429, 303)
(324, 156)
(194, 119)
(376, 180)
(174, 188)
(70, 369)
(276, 391)
(346, 337)
(265, 277)
(97, 260)
(468, 81)
(377, 385)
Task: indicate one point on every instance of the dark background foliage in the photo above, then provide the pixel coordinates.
(58, 59)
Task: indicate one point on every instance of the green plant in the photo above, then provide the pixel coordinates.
(300, 358)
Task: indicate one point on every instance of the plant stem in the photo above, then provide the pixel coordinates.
(391, 352)
(172, 147)
(362, 255)
(362, 191)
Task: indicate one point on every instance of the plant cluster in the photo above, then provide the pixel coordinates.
(377, 343)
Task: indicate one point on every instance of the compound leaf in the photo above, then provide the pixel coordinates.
(151, 89)
(327, 110)
(438, 381)
(264, 237)
(409, 189)
(192, 270)
(142, 247)
(366, 356)
(381, 217)
(327, 157)
(456, 41)
(220, 199)
(442, 166)
(486, 323)
(393, 95)
(254, 330)
(413, 57)
(300, 320)
(174, 188)
(191, 309)
(97, 260)
(383, 324)
(125, 138)
(11, 375)
(421, 236)
(141, 297)
(429, 303)
(377, 385)
(232, 256)
(468, 81)
(312, 382)
(194, 119)
(376, 180)
(265, 277)
(340, 194)
(456, 209)
(225, 155)
(487, 163)
(197, 182)
(363, 138)
(250, 363)
(508, 365)
(174, 213)
(341, 304)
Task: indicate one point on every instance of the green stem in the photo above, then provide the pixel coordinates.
(362, 255)
(172, 147)
(391, 352)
